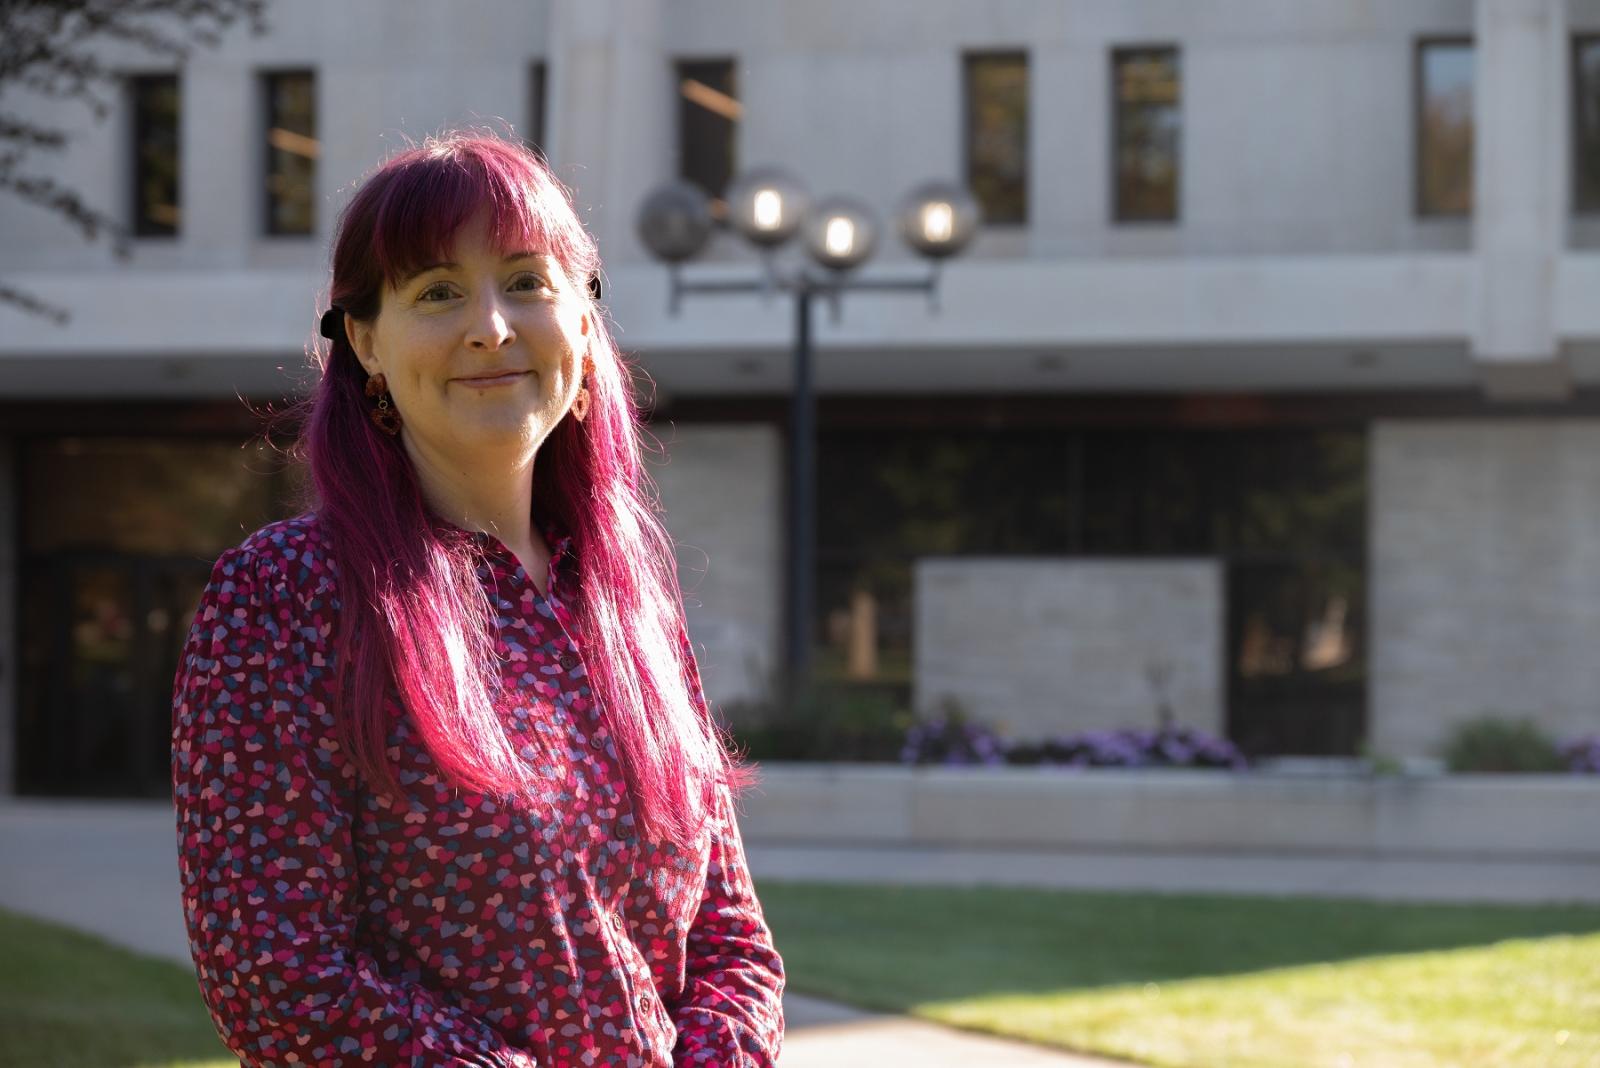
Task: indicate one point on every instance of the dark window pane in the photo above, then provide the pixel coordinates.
(997, 135)
(1284, 512)
(1147, 91)
(292, 150)
(708, 115)
(146, 495)
(1586, 124)
(1444, 127)
(536, 108)
(155, 155)
(118, 537)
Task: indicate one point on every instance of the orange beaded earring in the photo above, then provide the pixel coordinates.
(384, 417)
(580, 403)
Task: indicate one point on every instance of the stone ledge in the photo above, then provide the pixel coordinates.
(1491, 816)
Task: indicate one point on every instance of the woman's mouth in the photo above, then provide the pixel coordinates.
(493, 380)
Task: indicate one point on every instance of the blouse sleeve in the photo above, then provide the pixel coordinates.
(731, 1010)
(266, 858)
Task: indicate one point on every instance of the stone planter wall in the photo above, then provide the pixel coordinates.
(1552, 817)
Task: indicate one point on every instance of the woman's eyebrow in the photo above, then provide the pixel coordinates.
(425, 268)
(451, 265)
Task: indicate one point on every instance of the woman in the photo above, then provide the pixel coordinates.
(448, 792)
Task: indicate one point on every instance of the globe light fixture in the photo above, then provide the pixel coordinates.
(674, 221)
(768, 206)
(841, 233)
(938, 219)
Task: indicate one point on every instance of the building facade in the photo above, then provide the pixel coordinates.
(1265, 398)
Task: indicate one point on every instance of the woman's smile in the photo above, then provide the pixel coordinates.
(506, 379)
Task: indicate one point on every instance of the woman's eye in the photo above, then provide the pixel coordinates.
(529, 281)
(436, 292)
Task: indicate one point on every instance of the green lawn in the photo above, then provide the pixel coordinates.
(1203, 980)
(1193, 980)
(69, 1000)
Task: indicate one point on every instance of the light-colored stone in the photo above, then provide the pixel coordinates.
(721, 486)
(1508, 818)
(1484, 577)
(1038, 647)
(1520, 138)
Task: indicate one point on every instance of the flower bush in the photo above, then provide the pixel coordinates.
(1582, 755)
(951, 739)
(1499, 744)
(1172, 746)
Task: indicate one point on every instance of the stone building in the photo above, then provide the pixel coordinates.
(1266, 393)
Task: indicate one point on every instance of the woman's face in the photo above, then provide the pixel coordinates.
(483, 353)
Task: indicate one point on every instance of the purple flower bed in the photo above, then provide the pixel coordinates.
(953, 741)
(1583, 755)
(956, 742)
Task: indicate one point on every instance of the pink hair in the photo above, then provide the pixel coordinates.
(409, 580)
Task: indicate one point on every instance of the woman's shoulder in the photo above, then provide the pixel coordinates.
(290, 555)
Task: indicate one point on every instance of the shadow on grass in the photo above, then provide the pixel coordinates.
(70, 1000)
(895, 947)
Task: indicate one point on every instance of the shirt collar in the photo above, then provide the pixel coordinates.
(563, 557)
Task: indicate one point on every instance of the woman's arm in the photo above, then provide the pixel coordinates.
(266, 859)
(731, 1011)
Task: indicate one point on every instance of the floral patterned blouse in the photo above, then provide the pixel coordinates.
(332, 925)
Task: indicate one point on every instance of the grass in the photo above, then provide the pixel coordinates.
(70, 1000)
(1177, 981)
(1203, 981)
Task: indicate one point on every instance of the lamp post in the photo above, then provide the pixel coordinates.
(770, 208)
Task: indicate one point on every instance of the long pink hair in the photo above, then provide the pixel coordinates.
(408, 580)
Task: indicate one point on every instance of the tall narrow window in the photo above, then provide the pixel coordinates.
(155, 154)
(1444, 127)
(291, 152)
(708, 118)
(1147, 90)
(536, 107)
(996, 92)
(1586, 124)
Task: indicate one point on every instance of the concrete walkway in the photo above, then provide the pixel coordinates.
(111, 869)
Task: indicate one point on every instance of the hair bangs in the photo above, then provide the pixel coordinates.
(435, 189)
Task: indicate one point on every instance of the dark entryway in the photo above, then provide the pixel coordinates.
(118, 538)
(99, 649)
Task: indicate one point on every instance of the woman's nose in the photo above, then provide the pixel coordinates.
(490, 329)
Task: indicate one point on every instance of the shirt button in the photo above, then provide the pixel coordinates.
(597, 741)
(644, 1004)
(569, 661)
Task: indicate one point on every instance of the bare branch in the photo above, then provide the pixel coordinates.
(52, 48)
(33, 305)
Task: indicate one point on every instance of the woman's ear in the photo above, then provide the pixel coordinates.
(360, 335)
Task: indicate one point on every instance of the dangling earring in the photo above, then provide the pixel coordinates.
(384, 417)
(580, 403)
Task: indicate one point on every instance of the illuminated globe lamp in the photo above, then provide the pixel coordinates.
(938, 219)
(841, 233)
(768, 206)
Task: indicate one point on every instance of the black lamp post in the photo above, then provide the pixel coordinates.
(770, 208)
